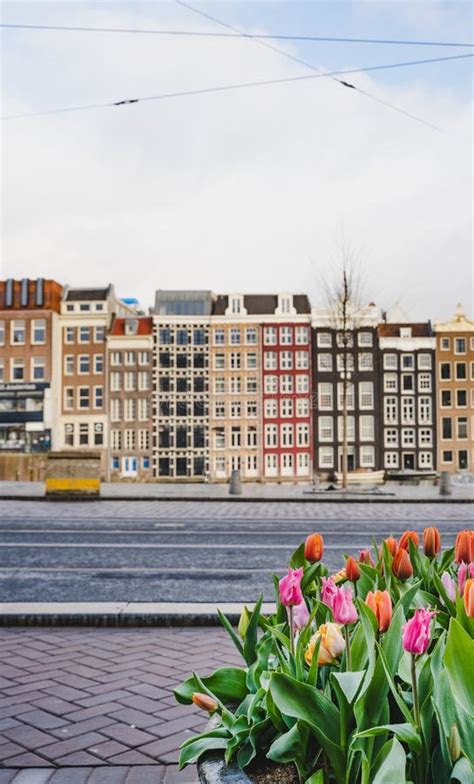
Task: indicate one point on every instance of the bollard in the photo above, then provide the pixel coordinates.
(445, 483)
(235, 485)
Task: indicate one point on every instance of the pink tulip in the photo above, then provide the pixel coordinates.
(463, 572)
(290, 588)
(449, 585)
(416, 632)
(300, 616)
(328, 591)
(365, 557)
(343, 607)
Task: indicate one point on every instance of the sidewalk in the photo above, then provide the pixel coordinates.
(461, 493)
(96, 705)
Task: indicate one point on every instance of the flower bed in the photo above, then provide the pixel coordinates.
(365, 677)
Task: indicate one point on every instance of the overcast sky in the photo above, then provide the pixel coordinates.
(250, 190)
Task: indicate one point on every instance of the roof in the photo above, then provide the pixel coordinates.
(261, 304)
(183, 303)
(418, 330)
(144, 325)
(87, 294)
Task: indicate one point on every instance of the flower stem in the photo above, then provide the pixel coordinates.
(292, 630)
(348, 648)
(416, 706)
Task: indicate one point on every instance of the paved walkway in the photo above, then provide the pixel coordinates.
(96, 705)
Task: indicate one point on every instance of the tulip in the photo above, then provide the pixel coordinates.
(290, 588)
(300, 615)
(339, 576)
(454, 743)
(343, 607)
(328, 591)
(405, 539)
(204, 702)
(401, 566)
(352, 569)
(449, 585)
(331, 644)
(314, 548)
(431, 542)
(364, 557)
(392, 546)
(381, 605)
(469, 598)
(463, 572)
(416, 632)
(244, 623)
(464, 547)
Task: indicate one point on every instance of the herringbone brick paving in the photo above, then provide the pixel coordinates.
(96, 705)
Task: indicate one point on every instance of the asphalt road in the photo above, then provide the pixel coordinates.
(184, 551)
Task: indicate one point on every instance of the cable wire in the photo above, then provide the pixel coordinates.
(238, 86)
(210, 34)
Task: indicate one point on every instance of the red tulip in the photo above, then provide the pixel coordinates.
(364, 556)
(431, 542)
(381, 605)
(401, 566)
(204, 702)
(352, 569)
(464, 547)
(405, 538)
(314, 548)
(392, 546)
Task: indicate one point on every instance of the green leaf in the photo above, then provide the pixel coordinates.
(349, 683)
(393, 688)
(227, 683)
(228, 626)
(405, 733)
(458, 660)
(297, 559)
(290, 746)
(316, 778)
(392, 769)
(407, 595)
(250, 644)
(199, 746)
(463, 772)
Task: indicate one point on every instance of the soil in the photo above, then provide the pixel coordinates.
(269, 773)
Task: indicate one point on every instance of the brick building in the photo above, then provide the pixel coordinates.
(130, 394)
(28, 314)
(455, 394)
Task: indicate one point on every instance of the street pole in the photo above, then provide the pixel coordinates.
(344, 429)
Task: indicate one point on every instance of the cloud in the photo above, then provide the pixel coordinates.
(245, 190)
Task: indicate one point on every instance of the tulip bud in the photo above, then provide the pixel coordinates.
(405, 538)
(431, 542)
(352, 569)
(469, 597)
(204, 702)
(392, 546)
(454, 743)
(364, 557)
(244, 623)
(381, 605)
(401, 566)
(464, 547)
(314, 548)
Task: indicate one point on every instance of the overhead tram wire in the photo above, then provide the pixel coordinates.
(238, 86)
(210, 34)
(306, 64)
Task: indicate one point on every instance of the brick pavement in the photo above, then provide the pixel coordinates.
(96, 705)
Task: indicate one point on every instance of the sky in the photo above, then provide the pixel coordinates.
(251, 190)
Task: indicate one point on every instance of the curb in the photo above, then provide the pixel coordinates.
(326, 499)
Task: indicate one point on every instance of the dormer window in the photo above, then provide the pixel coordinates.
(405, 332)
(285, 305)
(131, 326)
(236, 306)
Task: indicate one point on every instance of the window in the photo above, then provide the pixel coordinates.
(408, 362)
(220, 464)
(350, 428)
(365, 339)
(390, 410)
(286, 407)
(129, 358)
(302, 335)
(235, 409)
(38, 331)
(2, 369)
(390, 362)
(18, 332)
(219, 438)
(98, 397)
(69, 333)
(408, 411)
(446, 427)
(391, 459)
(447, 456)
(84, 397)
(271, 408)
(462, 427)
(271, 436)
(302, 360)
(219, 409)
(145, 463)
(84, 306)
(143, 357)
(236, 437)
(366, 428)
(251, 384)
(286, 336)
(408, 437)
(38, 369)
(235, 361)
(302, 407)
(143, 407)
(287, 435)
(235, 385)
(165, 338)
(425, 408)
(346, 358)
(84, 334)
(130, 409)
(326, 457)
(425, 460)
(68, 398)
(405, 332)
(271, 385)
(182, 337)
(367, 456)
(445, 371)
(424, 361)
(349, 395)
(115, 410)
(199, 337)
(219, 386)
(424, 382)
(286, 360)
(460, 345)
(366, 362)
(445, 344)
(143, 440)
(345, 340)
(461, 371)
(326, 428)
(325, 397)
(425, 436)
(251, 437)
(236, 304)
(2, 333)
(390, 382)
(84, 434)
(446, 399)
(235, 336)
(461, 398)
(408, 382)
(286, 384)
(251, 409)
(115, 382)
(143, 380)
(69, 434)
(302, 434)
(302, 384)
(130, 379)
(17, 369)
(129, 439)
(116, 439)
(270, 336)
(324, 339)
(115, 358)
(251, 361)
(324, 363)
(270, 360)
(390, 437)
(251, 336)
(83, 364)
(366, 395)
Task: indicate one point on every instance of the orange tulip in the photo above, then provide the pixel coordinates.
(401, 566)
(314, 548)
(405, 538)
(352, 569)
(469, 598)
(431, 542)
(331, 646)
(205, 702)
(392, 546)
(464, 547)
(381, 605)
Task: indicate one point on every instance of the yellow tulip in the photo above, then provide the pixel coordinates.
(331, 646)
